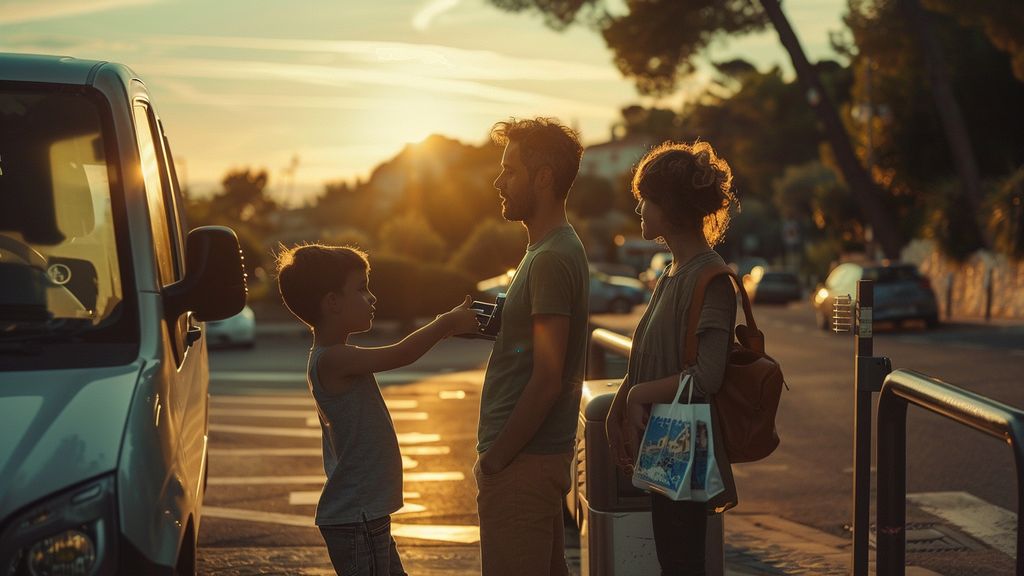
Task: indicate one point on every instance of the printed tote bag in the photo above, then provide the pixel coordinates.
(677, 456)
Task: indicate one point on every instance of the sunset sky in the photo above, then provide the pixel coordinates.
(344, 85)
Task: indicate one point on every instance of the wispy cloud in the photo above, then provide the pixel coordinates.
(427, 59)
(336, 76)
(425, 16)
(18, 11)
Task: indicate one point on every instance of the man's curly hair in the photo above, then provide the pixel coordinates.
(691, 184)
(543, 142)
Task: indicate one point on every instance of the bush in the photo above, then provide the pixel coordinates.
(1005, 215)
(492, 248)
(407, 290)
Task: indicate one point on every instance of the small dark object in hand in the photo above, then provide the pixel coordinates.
(489, 316)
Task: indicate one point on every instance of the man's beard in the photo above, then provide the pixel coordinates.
(520, 208)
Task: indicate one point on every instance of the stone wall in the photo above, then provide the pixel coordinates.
(969, 281)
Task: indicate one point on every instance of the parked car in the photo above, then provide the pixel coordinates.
(765, 287)
(659, 263)
(901, 293)
(608, 293)
(103, 366)
(238, 330)
(615, 294)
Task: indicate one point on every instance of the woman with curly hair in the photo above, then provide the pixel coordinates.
(684, 198)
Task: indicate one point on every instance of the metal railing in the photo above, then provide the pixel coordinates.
(602, 340)
(905, 387)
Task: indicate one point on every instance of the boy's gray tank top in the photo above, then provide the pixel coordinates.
(361, 456)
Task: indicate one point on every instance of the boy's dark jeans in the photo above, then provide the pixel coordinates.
(363, 548)
(680, 534)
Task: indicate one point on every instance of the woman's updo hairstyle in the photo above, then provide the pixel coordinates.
(690, 184)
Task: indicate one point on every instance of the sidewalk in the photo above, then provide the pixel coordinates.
(756, 544)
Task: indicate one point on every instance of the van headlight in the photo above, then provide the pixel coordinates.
(71, 534)
(70, 553)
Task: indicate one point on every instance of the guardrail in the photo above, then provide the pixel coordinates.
(905, 387)
(602, 340)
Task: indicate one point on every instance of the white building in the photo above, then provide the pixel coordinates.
(612, 160)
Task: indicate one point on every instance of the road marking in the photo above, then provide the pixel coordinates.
(299, 400)
(798, 328)
(261, 452)
(406, 438)
(425, 450)
(452, 394)
(312, 497)
(439, 532)
(395, 417)
(303, 399)
(989, 523)
(320, 479)
(266, 431)
(746, 470)
(436, 532)
(269, 413)
(300, 377)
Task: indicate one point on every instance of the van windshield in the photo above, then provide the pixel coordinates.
(59, 257)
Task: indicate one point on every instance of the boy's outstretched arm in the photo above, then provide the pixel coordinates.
(347, 360)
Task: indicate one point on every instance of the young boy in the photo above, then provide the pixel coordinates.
(327, 288)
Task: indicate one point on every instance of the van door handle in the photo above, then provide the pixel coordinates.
(193, 335)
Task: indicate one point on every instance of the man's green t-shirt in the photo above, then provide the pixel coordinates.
(553, 278)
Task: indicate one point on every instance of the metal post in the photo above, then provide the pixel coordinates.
(892, 488)
(862, 430)
(949, 296)
(869, 374)
(988, 294)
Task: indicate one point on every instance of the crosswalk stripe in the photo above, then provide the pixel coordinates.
(261, 452)
(989, 523)
(395, 417)
(300, 377)
(267, 431)
(264, 452)
(746, 470)
(312, 497)
(404, 438)
(435, 532)
(425, 450)
(299, 400)
(320, 479)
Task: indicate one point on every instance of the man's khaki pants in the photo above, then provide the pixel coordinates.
(520, 512)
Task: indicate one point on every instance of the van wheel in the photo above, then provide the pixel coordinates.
(187, 558)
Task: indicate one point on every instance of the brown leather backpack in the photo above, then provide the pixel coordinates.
(749, 397)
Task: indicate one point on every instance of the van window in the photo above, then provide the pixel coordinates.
(67, 290)
(158, 214)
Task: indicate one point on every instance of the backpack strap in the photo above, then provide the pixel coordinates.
(747, 333)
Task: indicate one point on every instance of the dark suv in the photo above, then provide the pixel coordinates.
(901, 292)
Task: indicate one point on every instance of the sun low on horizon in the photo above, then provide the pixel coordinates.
(324, 91)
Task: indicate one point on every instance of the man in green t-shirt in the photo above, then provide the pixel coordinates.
(531, 393)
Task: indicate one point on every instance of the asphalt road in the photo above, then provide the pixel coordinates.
(266, 471)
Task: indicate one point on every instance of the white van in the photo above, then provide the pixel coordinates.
(103, 365)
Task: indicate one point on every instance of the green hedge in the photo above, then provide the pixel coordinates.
(407, 289)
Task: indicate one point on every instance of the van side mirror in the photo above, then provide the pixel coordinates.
(214, 284)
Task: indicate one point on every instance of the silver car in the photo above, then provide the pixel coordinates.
(103, 363)
(901, 293)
